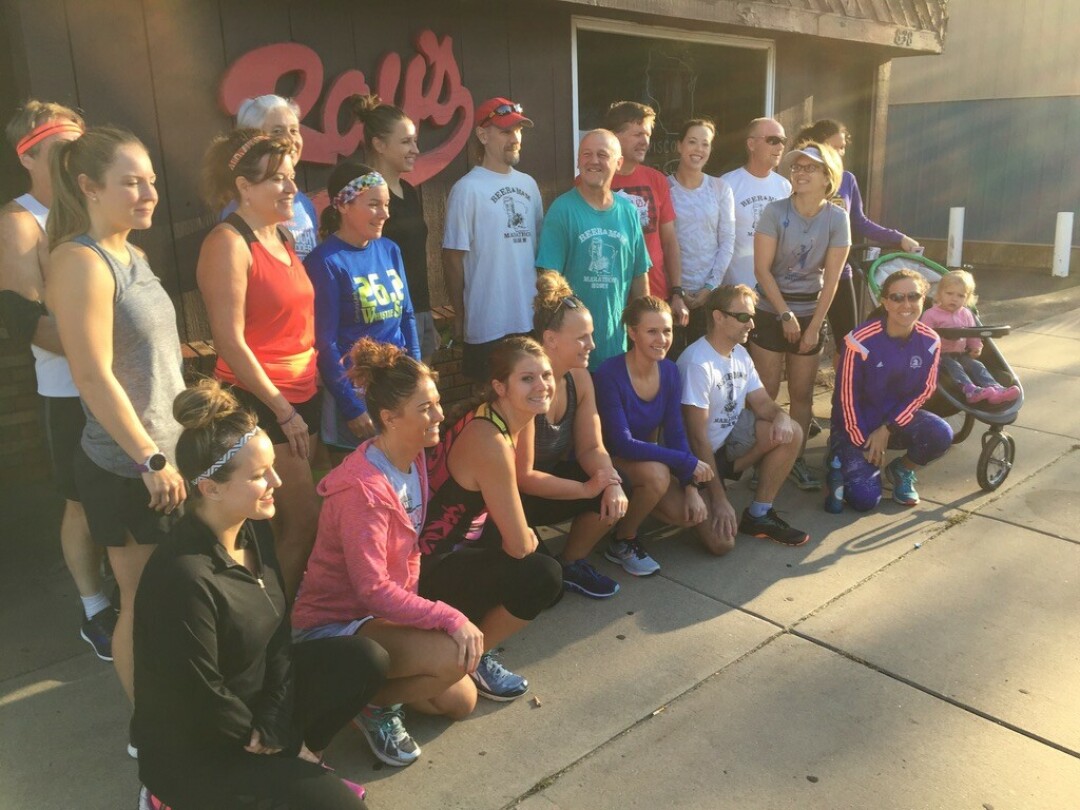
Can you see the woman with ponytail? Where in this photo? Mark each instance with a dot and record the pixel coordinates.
(262, 316)
(118, 328)
(363, 572)
(230, 714)
(391, 147)
(360, 291)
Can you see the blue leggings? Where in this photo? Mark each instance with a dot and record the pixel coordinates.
(926, 437)
(966, 370)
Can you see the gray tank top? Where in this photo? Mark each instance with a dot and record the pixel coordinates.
(146, 361)
(554, 441)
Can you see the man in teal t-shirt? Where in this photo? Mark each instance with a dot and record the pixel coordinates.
(594, 239)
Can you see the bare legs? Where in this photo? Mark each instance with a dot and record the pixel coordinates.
(127, 564)
(297, 515)
(81, 555)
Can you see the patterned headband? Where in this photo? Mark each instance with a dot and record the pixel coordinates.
(225, 458)
(354, 187)
(238, 155)
(40, 133)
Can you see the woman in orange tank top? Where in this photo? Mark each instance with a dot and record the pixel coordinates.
(262, 317)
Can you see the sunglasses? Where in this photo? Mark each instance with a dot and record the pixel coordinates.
(741, 317)
(772, 140)
(501, 110)
(567, 302)
(899, 298)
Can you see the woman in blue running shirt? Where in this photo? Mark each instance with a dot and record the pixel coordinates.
(360, 291)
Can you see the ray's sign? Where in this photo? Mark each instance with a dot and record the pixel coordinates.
(428, 89)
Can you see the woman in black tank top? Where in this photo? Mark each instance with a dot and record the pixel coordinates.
(500, 585)
(564, 471)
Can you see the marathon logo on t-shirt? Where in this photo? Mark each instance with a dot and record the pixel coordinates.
(644, 203)
(517, 211)
(756, 204)
(729, 414)
(603, 255)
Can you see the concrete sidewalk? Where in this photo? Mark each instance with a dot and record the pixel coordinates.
(910, 658)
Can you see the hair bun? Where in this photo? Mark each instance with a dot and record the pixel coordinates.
(362, 105)
(203, 404)
(552, 288)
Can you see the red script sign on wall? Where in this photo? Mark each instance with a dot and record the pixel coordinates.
(430, 91)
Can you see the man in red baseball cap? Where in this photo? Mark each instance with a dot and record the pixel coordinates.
(493, 218)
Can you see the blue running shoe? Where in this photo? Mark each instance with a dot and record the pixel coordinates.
(386, 734)
(496, 682)
(97, 631)
(903, 481)
(580, 577)
(632, 556)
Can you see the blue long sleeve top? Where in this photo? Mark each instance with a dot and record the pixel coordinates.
(630, 424)
(359, 292)
(883, 380)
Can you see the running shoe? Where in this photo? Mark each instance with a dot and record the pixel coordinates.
(97, 631)
(814, 429)
(132, 748)
(632, 556)
(804, 478)
(903, 481)
(772, 527)
(496, 682)
(386, 734)
(974, 394)
(148, 801)
(580, 577)
(1000, 395)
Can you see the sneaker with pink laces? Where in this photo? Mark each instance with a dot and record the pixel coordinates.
(973, 394)
(999, 395)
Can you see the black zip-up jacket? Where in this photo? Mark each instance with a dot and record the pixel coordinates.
(212, 649)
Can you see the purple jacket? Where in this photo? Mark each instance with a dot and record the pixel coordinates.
(861, 226)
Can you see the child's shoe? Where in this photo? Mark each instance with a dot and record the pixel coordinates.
(973, 394)
(999, 395)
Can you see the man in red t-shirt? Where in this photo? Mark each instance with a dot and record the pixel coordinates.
(648, 190)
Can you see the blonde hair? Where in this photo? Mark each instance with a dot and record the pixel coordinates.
(554, 298)
(34, 113)
(959, 278)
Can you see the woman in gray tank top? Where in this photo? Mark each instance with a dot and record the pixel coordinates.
(564, 472)
(118, 328)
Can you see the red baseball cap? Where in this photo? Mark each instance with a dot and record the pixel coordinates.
(502, 113)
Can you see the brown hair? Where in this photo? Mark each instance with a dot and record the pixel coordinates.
(219, 180)
(379, 119)
(34, 113)
(820, 131)
(554, 298)
(722, 297)
(387, 374)
(341, 176)
(506, 355)
(91, 155)
(213, 422)
(708, 123)
(894, 278)
(631, 316)
(621, 113)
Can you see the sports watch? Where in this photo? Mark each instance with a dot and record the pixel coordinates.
(787, 316)
(154, 463)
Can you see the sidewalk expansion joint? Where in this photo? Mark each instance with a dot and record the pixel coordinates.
(959, 704)
(554, 777)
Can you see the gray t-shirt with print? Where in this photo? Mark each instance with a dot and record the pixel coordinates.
(405, 484)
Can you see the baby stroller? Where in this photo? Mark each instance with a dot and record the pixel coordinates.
(998, 447)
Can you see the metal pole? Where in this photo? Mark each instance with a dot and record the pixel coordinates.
(955, 250)
(1063, 243)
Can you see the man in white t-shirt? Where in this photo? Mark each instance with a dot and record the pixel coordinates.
(35, 130)
(732, 423)
(755, 185)
(493, 218)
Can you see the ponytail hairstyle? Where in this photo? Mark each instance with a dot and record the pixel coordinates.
(341, 176)
(387, 374)
(214, 423)
(636, 309)
(893, 278)
(505, 356)
(553, 300)
(91, 156)
(238, 154)
(379, 119)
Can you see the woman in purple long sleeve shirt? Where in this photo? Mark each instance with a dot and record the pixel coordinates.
(638, 397)
(843, 314)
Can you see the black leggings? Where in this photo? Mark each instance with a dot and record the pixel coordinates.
(476, 580)
(334, 680)
(843, 315)
(549, 511)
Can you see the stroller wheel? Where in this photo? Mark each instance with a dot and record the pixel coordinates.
(996, 460)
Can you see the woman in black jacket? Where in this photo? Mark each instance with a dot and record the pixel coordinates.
(228, 713)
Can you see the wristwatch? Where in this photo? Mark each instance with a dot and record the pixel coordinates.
(787, 316)
(154, 463)
(673, 291)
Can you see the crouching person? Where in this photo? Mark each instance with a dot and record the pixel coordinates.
(733, 424)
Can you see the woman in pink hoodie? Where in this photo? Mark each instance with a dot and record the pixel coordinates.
(362, 574)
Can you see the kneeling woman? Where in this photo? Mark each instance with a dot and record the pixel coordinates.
(229, 713)
(500, 585)
(639, 396)
(888, 369)
(362, 575)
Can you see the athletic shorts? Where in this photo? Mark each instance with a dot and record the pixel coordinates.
(63, 419)
(768, 333)
(310, 412)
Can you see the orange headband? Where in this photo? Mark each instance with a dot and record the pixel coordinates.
(238, 155)
(43, 131)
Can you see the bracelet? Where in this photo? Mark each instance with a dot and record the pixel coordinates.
(289, 418)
